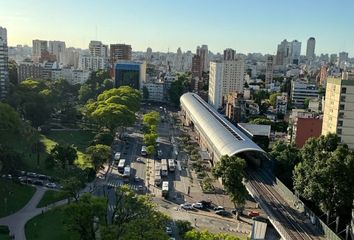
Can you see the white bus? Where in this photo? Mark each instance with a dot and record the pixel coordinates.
(126, 174)
(165, 189)
(121, 166)
(171, 165)
(164, 168)
(157, 170)
(143, 151)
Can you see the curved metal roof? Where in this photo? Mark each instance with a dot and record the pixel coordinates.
(223, 135)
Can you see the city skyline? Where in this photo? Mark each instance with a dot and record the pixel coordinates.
(144, 24)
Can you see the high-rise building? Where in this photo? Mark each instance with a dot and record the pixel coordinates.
(97, 49)
(310, 49)
(342, 59)
(57, 48)
(339, 108)
(87, 62)
(40, 50)
(204, 57)
(148, 56)
(196, 66)
(288, 53)
(269, 70)
(229, 54)
(215, 84)
(224, 78)
(130, 74)
(120, 52)
(4, 73)
(70, 57)
(333, 58)
(28, 69)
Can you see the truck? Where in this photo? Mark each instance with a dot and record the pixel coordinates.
(121, 165)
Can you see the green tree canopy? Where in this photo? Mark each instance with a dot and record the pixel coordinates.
(232, 171)
(151, 118)
(325, 174)
(98, 155)
(9, 119)
(273, 98)
(178, 87)
(205, 235)
(64, 154)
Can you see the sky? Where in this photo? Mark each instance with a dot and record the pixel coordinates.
(165, 25)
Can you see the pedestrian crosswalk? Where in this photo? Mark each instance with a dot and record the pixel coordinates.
(119, 182)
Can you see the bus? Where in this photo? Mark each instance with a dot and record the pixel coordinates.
(171, 165)
(165, 189)
(164, 168)
(126, 174)
(121, 166)
(157, 169)
(143, 151)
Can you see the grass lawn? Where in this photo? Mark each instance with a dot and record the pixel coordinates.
(50, 225)
(13, 196)
(51, 196)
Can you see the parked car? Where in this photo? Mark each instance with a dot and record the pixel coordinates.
(29, 180)
(252, 214)
(137, 179)
(42, 177)
(32, 174)
(223, 213)
(186, 206)
(169, 230)
(198, 205)
(139, 159)
(218, 208)
(38, 182)
(51, 185)
(206, 204)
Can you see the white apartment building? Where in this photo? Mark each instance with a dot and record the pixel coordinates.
(70, 57)
(97, 49)
(156, 91)
(4, 74)
(71, 75)
(91, 63)
(39, 47)
(281, 104)
(215, 84)
(310, 49)
(300, 91)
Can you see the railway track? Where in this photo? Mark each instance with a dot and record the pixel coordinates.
(289, 219)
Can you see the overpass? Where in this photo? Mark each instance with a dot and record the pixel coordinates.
(219, 137)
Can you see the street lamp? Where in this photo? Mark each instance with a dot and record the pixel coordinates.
(38, 142)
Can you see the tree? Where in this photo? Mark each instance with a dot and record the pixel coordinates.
(307, 102)
(260, 95)
(151, 149)
(273, 98)
(105, 138)
(151, 118)
(205, 235)
(98, 155)
(10, 160)
(183, 227)
(135, 217)
(286, 157)
(64, 154)
(145, 93)
(178, 87)
(150, 138)
(9, 119)
(325, 174)
(85, 93)
(232, 171)
(72, 186)
(85, 215)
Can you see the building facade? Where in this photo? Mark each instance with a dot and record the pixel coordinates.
(87, 62)
(130, 74)
(71, 75)
(338, 114)
(301, 91)
(156, 91)
(310, 49)
(196, 66)
(40, 50)
(98, 49)
(235, 107)
(57, 48)
(229, 54)
(281, 104)
(269, 70)
(120, 52)
(204, 57)
(4, 73)
(215, 84)
(27, 70)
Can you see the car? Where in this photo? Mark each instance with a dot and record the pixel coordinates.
(38, 182)
(206, 204)
(172, 238)
(198, 205)
(219, 208)
(42, 177)
(223, 213)
(140, 188)
(32, 174)
(186, 206)
(139, 159)
(253, 214)
(137, 179)
(51, 185)
(22, 179)
(29, 180)
(169, 230)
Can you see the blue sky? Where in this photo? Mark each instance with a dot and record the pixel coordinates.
(246, 26)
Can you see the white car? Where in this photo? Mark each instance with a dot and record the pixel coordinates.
(198, 205)
(51, 185)
(139, 159)
(186, 206)
(169, 230)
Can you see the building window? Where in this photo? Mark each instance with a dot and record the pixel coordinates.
(342, 98)
(339, 131)
(341, 107)
(340, 123)
(341, 115)
(344, 90)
